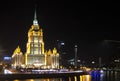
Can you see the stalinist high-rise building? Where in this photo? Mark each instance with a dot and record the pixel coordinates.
(36, 55)
(35, 45)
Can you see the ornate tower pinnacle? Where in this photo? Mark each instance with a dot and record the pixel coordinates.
(35, 22)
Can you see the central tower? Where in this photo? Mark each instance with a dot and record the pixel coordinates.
(35, 46)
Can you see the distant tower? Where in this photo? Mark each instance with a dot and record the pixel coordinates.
(100, 62)
(61, 49)
(75, 55)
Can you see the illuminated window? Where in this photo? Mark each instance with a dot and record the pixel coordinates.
(35, 50)
(35, 45)
(35, 39)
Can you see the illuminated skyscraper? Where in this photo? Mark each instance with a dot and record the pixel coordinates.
(35, 55)
(35, 45)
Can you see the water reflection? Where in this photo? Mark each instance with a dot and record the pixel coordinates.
(112, 76)
(85, 78)
(94, 76)
(105, 76)
(52, 79)
(75, 78)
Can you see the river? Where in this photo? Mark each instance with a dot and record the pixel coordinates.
(94, 76)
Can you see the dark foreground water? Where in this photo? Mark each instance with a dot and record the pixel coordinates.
(94, 76)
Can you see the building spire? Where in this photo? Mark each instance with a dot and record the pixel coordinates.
(35, 22)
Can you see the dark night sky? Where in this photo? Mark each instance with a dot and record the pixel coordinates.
(87, 24)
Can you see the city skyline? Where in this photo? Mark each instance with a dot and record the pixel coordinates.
(86, 24)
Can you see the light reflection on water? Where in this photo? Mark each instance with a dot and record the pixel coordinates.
(81, 78)
(85, 78)
(95, 76)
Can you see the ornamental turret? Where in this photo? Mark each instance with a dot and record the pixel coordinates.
(17, 58)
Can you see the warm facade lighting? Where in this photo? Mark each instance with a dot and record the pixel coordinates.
(35, 55)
